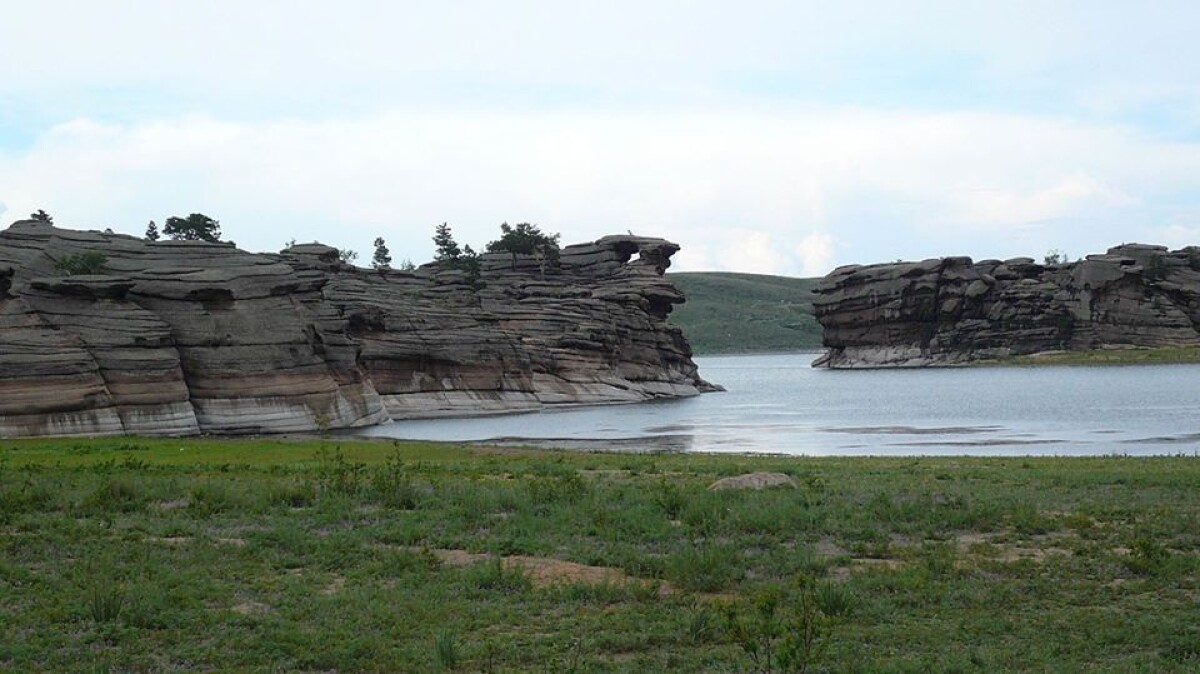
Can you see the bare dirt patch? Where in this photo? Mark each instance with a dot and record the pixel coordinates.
(335, 585)
(990, 546)
(170, 540)
(547, 571)
(251, 608)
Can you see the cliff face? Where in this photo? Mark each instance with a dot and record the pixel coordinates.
(185, 337)
(952, 310)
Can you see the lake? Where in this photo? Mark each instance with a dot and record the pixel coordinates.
(778, 404)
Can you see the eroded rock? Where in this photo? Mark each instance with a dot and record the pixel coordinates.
(184, 337)
(953, 310)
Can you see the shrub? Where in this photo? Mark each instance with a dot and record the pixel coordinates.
(81, 264)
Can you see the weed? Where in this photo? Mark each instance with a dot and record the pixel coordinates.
(105, 601)
(294, 494)
(114, 495)
(705, 568)
(1147, 556)
(670, 497)
(705, 515)
(134, 463)
(784, 631)
(392, 486)
(403, 562)
(938, 559)
(210, 498)
(701, 623)
(835, 601)
(337, 475)
(491, 575)
(1079, 521)
(445, 648)
(564, 488)
(1026, 519)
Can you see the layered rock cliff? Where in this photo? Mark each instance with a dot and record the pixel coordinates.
(185, 337)
(951, 310)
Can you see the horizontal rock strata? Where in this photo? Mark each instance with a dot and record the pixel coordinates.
(186, 337)
(951, 310)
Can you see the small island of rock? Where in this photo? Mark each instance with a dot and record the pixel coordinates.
(952, 311)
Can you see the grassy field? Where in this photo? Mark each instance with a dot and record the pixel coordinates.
(1134, 355)
(260, 555)
(744, 313)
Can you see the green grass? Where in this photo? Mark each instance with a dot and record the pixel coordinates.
(744, 313)
(262, 555)
(1134, 355)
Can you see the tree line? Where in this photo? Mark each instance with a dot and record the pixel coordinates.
(521, 239)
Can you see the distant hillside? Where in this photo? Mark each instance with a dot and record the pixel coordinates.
(742, 313)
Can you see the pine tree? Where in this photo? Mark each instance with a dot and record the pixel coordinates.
(447, 247)
(382, 258)
(41, 216)
(152, 231)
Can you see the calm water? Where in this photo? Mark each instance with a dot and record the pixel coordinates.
(778, 404)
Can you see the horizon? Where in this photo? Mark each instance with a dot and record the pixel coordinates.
(781, 138)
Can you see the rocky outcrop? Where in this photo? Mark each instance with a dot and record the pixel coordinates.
(951, 310)
(184, 337)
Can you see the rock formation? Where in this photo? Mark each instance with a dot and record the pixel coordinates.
(186, 337)
(952, 310)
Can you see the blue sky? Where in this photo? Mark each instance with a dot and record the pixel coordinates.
(773, 137)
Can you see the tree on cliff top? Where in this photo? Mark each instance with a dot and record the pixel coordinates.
(41, 216)
(449, 253)
(152, 231)
(526, 239)
(195, 227)
(383, 257)
(447, 247)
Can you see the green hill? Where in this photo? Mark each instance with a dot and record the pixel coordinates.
(743, 313)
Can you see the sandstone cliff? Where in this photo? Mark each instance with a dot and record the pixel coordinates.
(952, 310)
(181, 337)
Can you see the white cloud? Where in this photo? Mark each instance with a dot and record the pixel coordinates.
(1180, 235)
(744, 190)
(816, 253)
(1028, 207)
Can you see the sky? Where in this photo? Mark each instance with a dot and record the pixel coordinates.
(763, 137)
